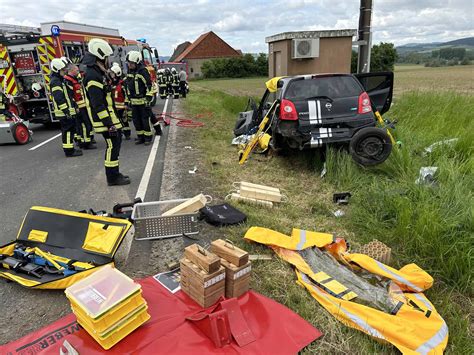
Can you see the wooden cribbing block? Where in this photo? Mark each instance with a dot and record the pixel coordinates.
(206, 260)
(236, 197)
(237, 278)
(190, 206)
(229, 252)
(204, 288)
(243, 184)
(260, 194)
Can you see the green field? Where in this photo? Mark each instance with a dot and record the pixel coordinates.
(407, 78)
(431, 226)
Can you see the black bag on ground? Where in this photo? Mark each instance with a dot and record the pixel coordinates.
(222, 215)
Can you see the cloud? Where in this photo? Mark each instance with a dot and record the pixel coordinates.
(72, 16)
(244, 24)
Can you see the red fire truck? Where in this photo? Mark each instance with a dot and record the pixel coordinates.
(25, 60)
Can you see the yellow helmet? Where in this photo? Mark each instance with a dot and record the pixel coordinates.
(99, 48)
(134, 57)
(57, 64)
(36, 87)
(116, 69)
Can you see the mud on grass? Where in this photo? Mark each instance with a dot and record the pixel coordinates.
(309, 207)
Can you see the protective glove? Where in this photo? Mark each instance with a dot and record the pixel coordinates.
(112, 131)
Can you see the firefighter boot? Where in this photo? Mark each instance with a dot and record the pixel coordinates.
(157, 128)
(75, 153)
(119, 180)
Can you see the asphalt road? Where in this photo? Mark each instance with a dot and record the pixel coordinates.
(45, 177)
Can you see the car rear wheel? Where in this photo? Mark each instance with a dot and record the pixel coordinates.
(370, 146)
(21, 134)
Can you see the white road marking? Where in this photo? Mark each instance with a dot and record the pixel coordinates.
(46, 141)
(142, 188)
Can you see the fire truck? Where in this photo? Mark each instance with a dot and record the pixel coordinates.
(25, 59)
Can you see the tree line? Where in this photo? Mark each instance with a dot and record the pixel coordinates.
(236, 67)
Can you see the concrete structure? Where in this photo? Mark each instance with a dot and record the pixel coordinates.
(329, 51)
(207, 46)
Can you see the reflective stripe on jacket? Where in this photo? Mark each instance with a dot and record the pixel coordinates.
(139, 85)
(99, 97)
(413, 327)
(62, 97)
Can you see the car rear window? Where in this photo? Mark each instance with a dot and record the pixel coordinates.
(334, 87)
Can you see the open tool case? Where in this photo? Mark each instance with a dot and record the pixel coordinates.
(77, 243)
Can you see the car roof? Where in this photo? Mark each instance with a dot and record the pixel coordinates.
(272, 84)
(312, 76)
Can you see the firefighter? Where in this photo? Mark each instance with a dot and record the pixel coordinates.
(83, 124)
(162, 83)
(168, 82)
(182, 82)
(120, 99)
(64, 106)
(100, 103)
(175, 83)
(4, 103)
(139, 87)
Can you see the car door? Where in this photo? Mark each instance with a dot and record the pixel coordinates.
(379, 86)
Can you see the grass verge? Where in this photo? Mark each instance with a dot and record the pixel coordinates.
(431, 226)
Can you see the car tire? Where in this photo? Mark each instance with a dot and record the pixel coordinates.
(21, 134)
(370, 146)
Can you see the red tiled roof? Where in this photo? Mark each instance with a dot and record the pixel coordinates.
(208, 45)
(180, 49)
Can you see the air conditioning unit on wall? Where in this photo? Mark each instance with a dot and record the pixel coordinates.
(305, 48)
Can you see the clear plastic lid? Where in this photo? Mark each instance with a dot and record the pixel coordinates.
(101, 291)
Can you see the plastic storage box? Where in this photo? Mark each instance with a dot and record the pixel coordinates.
(108, 305)
(118, 331)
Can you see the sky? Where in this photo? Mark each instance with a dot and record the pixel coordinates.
(244, 24)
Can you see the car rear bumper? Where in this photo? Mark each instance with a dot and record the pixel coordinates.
(305, 138)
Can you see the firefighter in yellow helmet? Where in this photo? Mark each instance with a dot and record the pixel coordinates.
(100, 102)
(64, 106)
(139, 87)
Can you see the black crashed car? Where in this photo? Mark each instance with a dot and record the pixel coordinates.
(320, 109)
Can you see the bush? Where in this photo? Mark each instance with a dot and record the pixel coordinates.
(382, 58)
(236, 67)
(465, 61)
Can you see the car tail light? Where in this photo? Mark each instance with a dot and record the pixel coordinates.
(364, 103)
(288, 111)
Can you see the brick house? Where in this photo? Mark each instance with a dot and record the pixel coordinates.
(207, 46)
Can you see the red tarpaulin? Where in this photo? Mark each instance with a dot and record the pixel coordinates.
(277, 329)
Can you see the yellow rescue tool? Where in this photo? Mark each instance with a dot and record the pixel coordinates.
(260, 134)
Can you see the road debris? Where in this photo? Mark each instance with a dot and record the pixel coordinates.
(193, 171)
(339, 213)
(448, 142)
(341, 198)
(427, 175)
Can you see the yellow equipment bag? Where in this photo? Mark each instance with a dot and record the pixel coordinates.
(414, 327)
(80, 241)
